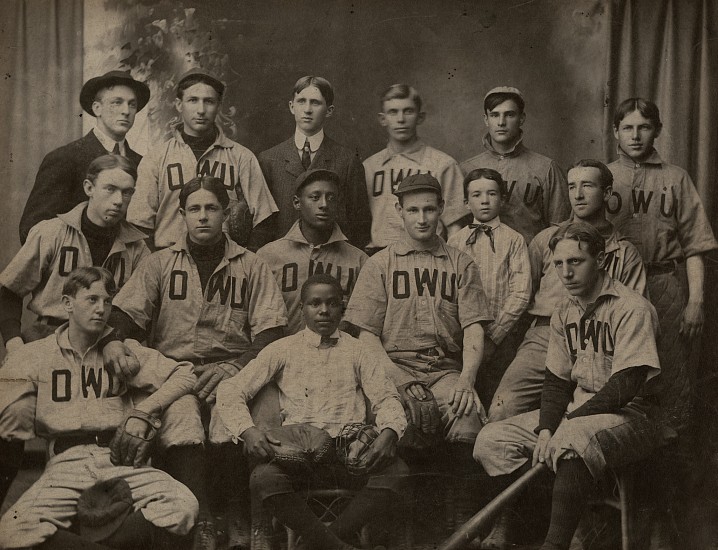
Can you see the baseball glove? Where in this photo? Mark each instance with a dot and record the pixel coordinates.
(352, 443)
(301, 446)
(127, 449)
(423, 414)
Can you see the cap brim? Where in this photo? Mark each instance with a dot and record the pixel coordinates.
(94, 85)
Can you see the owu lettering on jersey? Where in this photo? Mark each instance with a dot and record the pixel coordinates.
(424, 280)
(226, 287)
(290, 275)
(589, 332)
(395, 176)
(91, 379)
(115, 264)
(220, 170)
(641, 201)
(532, 193)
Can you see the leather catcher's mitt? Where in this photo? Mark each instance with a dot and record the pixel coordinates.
(352, 444)
(423, 414)
(301, 446)
(130, 450)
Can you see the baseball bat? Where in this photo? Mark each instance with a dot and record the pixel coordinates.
(470, 529)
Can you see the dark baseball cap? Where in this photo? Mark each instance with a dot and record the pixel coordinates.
(317, 174)
(418, 182)
(216, 83)
(113, 78)
(102, 508)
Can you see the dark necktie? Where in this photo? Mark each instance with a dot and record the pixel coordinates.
(116, 150)
(328, 342)
(484, 229)
(306, 155)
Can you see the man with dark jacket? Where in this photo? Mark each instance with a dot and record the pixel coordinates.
(113, 99)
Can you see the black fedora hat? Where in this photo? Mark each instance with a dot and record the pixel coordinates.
(113, 78)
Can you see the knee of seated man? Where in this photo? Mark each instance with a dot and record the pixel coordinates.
(182, 423)
(17, 421)
(487, 442)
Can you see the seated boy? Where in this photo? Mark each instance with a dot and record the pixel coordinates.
(503, 261)
(96, 431)
(314, 244)
(602, 349)
(324, 376)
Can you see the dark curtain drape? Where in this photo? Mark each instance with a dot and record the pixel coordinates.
(667, 51)
(40, 49)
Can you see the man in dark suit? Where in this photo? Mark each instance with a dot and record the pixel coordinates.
(113, 99)
(312, 103)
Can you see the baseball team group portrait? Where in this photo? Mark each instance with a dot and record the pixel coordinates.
(335, 275)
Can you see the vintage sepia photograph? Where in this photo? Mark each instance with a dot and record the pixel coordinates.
(359, 274)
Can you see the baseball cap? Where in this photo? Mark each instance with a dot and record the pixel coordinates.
(504, 90)
(418, 182)
(113, 78)
(198, 71)
(317, 174)
(102, 508)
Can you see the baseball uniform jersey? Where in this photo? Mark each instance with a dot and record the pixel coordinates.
(505, 273)
(418, 299)
(54, 248)
(293, 260)
(165, 170)
(656, 206)
(385, 169)
(77, 395)
(241, 300)
(538, 194)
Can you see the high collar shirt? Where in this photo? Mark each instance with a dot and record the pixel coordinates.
(76, 393)
(505, 273)
(538, 193)
(315, 142)
(588, 345)
(108, 143)
(656, 206)
(166, 168)
(240, 301)
(418, 299)
(54, 248)
(293, 260)
(622, 263)
(385, 169)
(322, 386)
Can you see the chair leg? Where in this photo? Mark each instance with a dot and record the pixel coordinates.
(626, 496)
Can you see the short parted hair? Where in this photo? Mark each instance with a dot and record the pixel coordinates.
(210, 183)
(489, 174)
(498, 98)
(401, 91)
(198, 79)
(84, 277)
(581, 232)
(109, 162)
(648, 110)
(606, 175)
(322, 84)
(321, 279)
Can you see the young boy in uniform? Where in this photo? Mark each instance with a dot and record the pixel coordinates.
(314, 244)
(602, 349)
(198, 146)
(312, 104)
(503, 261)
(324, 376)
(209, 301)
(93, 233)
(95, 429)
(421, 301)
(113, 99)
(589, 188)
(656, 206)
(405, 155)
(536, 185)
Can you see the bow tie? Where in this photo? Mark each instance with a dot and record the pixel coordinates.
(328, 341)
(487, 230)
